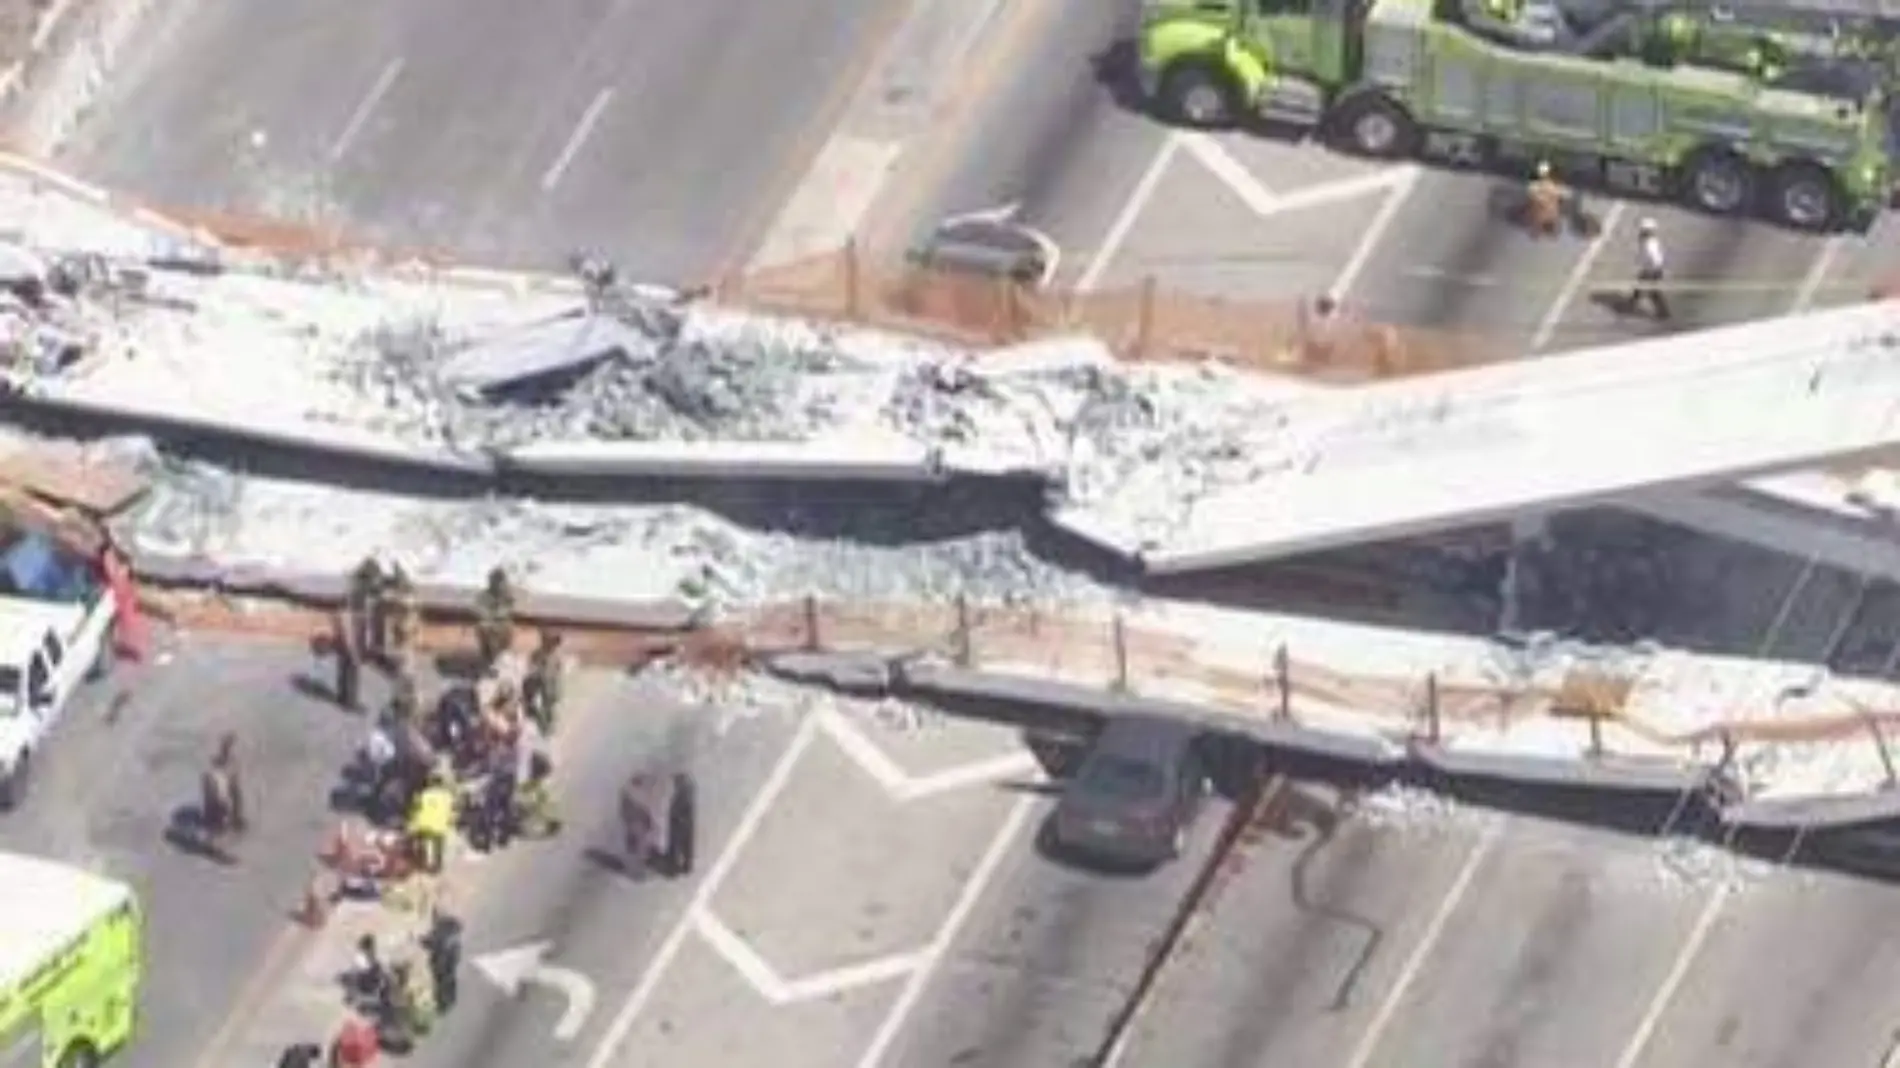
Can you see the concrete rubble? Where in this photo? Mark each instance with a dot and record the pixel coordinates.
(157, 319)
(751, 555)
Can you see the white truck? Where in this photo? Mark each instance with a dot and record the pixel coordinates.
(56, 617)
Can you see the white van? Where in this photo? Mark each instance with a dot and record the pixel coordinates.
(55, 632)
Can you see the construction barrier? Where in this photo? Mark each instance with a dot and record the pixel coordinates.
(1143, 322)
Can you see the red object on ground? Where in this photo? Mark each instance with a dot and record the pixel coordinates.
(129, 636)
(355, 1045)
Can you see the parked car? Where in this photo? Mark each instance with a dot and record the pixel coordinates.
(1134, 794)
(55, 632)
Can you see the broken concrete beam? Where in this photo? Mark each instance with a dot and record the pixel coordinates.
(895, 461)
(961, 684)
(528, 354)
(1816, 813)
(868, 674)
(1622, 775)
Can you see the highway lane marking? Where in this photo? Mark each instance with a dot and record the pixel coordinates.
(778, 990)
(960, 912)
(1574, 281)
(749, 823)
(830, 121)
(576, 140)
(1201, 917)
(1231, 173)
(1130, 213)
(1810, 289)
(992, 52)
(1395, 199)
(1678, 971)
(1265, 202)
(283, 952)
(900, 784)
(365, 107)
(1434, 930)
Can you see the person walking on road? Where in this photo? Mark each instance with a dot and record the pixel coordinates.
(402, 618)
(682, 818)
(541, 690)
(644, 804)
(494, 618)
(443, 945)
(348, 690)
(366, 607)
(1650, 263)
(221, 799)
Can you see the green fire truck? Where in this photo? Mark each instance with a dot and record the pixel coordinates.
(1783, 112)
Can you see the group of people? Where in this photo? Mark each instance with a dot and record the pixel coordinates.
(1546, 202)
(471, 761)
(393, 1003)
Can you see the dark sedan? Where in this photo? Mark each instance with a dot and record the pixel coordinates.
(1134, 794)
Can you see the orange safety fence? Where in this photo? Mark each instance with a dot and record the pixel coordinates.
(1142, 322)
(1099, 649)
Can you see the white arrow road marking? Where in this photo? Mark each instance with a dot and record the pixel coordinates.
(762, 977)
(513, 969)
(901, 785)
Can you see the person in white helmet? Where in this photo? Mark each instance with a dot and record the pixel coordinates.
(1650, 262)
(1544, 202)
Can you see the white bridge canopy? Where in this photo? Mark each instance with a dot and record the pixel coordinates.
(1444, 451)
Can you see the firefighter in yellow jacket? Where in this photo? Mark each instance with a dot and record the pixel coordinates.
(432, 820)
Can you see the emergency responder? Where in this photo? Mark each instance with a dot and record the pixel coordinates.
(494, 824)
(1319, 330)
(495, 618)
(365, 605)
(535, 814)
(432, 820)
(682, 819)
(541, 692)
(501, 721)
(1544, 202)
(401, 616)
(1650, 262)
(643, 804)
(405, 697)
(442, 946)
(349, 666)
(356, 1044)
(415, 1000)
(221, 798)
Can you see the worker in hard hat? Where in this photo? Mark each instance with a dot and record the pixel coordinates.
(1650, 264)
(1544, 202)
(432, 819)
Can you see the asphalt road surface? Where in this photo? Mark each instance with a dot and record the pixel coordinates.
(664, 135)
(1050, 956)
(835, 853)
(1390, 933)
(127, 755)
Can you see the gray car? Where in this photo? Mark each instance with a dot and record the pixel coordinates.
(1134, 794)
